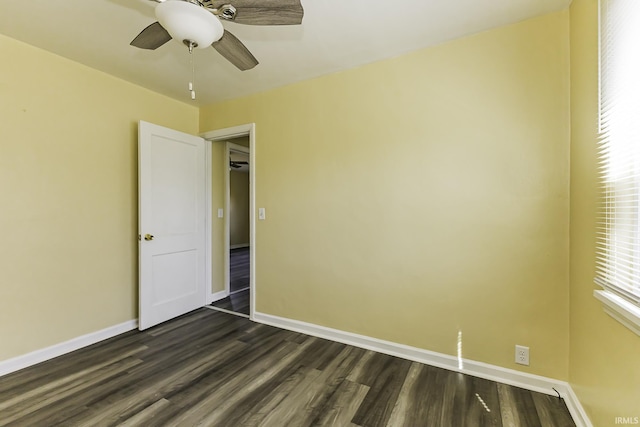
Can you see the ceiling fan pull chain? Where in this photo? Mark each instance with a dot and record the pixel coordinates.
(193, 71)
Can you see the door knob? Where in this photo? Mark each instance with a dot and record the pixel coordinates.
(148, 237)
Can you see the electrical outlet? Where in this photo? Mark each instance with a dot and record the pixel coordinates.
(522, 355)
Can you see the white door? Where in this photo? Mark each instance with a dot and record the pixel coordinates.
(171, 203)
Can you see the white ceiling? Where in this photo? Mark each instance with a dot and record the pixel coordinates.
(335, 35)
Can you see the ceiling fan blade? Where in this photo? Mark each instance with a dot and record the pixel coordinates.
(268, 16)
(265, 12)
(235, 52)
(151, 37)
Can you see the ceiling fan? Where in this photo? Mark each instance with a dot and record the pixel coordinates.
(197, 24)
(236, 164)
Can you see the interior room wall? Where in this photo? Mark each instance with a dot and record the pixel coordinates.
(433, 199)
(604, 363)
(68, 179)
(239, 198)
(241, 140)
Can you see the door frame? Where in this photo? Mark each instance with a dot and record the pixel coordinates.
(210, 138)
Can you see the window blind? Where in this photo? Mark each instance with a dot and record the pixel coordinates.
(618, 233)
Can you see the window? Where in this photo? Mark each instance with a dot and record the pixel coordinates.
(618, 246)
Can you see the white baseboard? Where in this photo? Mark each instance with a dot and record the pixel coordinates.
(240, 245)
(42, 355)
(578, 413)
(216, 296)
(478, 369)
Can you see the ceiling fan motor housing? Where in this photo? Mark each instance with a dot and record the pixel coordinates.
(189, 23)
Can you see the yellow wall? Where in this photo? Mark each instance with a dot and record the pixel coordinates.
(241, 140)
(432, 197)
(604, 362)
(239, 209)
(68, 180)
(424, 195)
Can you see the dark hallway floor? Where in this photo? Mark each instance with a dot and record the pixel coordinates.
(239, 269)
(239, 280)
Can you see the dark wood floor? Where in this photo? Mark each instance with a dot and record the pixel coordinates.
(239, 269)
(239, 274)
(237, 302)
(214, 369)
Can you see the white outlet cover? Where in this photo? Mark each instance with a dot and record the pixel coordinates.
(522, 355)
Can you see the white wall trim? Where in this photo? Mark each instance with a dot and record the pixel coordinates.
(620, 309)
(578, 413)
(215, 296)
(42, 355)
(229, 133)
(479, 369)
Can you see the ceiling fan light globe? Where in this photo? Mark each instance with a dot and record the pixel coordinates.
(187, 21)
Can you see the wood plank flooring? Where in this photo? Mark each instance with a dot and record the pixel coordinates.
(239, 270)
(237, 302)
(214, 369)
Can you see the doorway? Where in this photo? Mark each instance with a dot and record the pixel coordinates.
(237, 246)
(237, 213)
